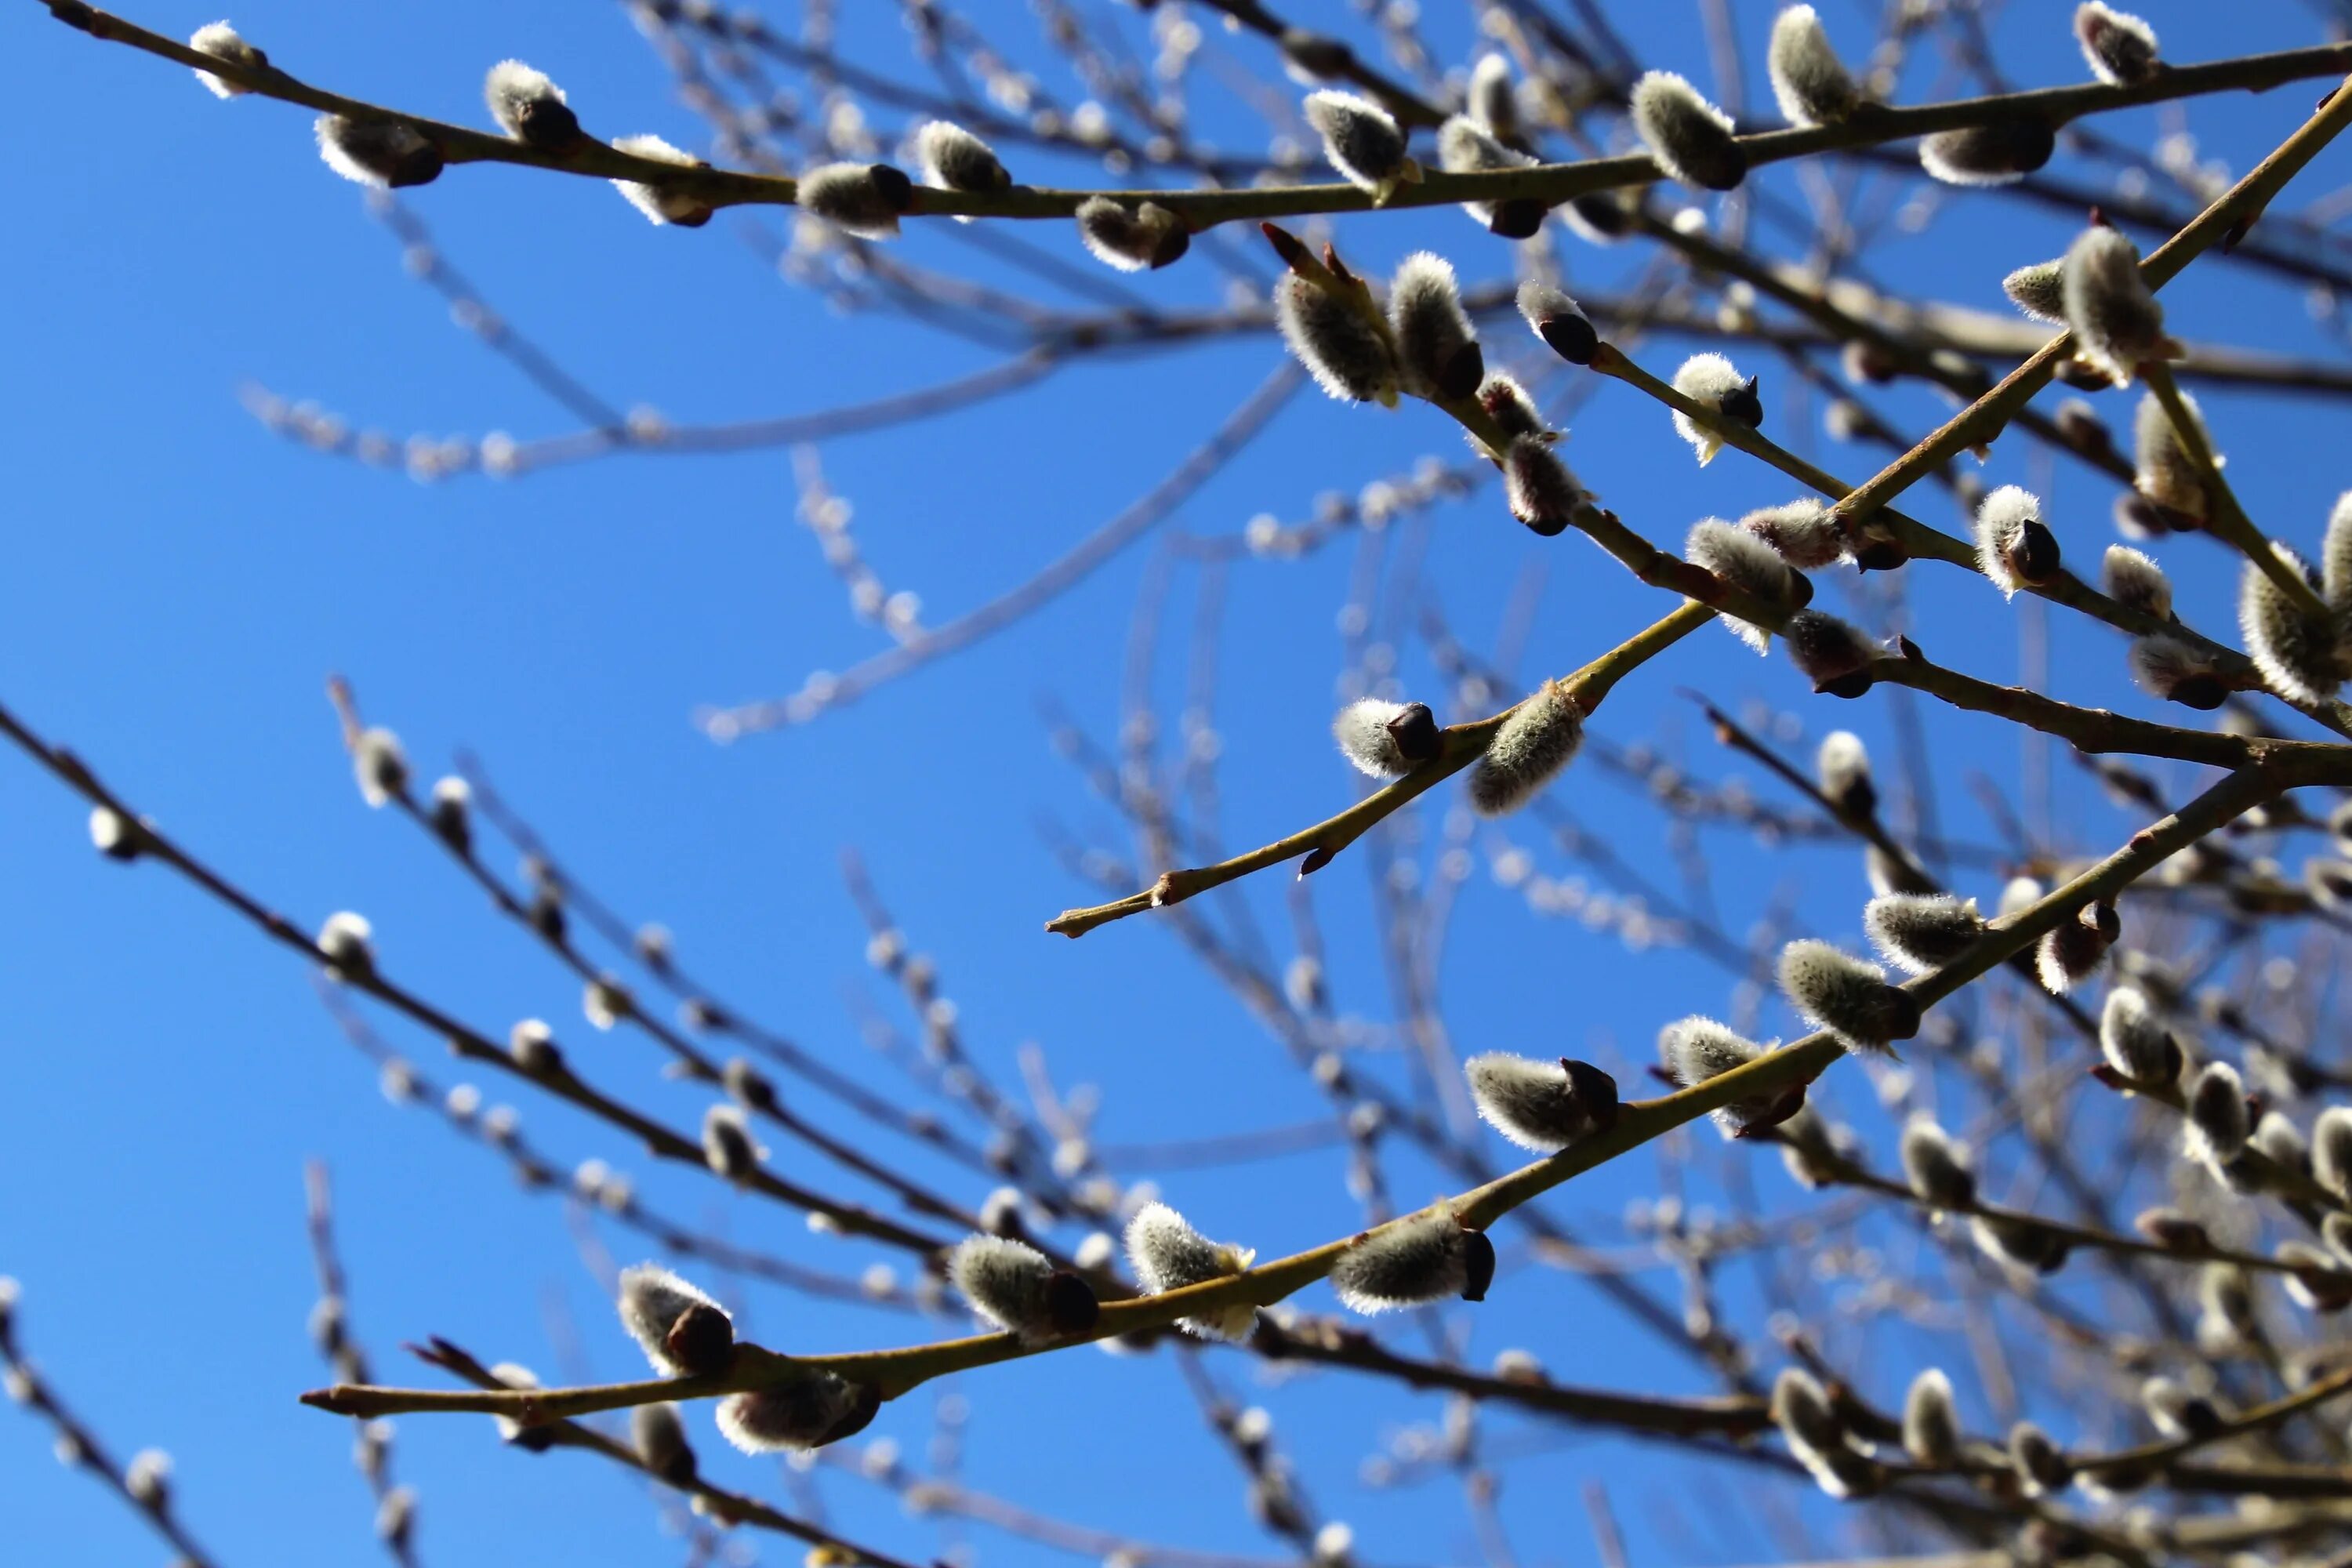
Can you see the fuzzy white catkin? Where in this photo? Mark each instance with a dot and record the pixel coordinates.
(1695, 1049)
(1919, 932)
(148, 1478)
(1403, 1264)
(528, 107)
(1541, 737)
(1931, 1425)
(1815, 1434)
(113, 835)
(222, 42)
(1748, 563)
(1361, 139)
(1538, 488)
(2134, 1040)
(380, 765)
(1463, 147)
(1349, 357)
(658, 1436)
(1532, 1103)
(2336, 555)
(1993, 154)
(1713, 381)
(659, 203)
(1691, 138)
(2132, 578)
(2170, 668)
(2163, 471)
(1006, 1282)
(953, 159)
(1434, 338)
(728, 1146)
(1825, 648)
(1804, 532)
(652, 1300)
(1131, 240)
(2299, 655)
(378, 152)
(349, 943)
(1842, 770)
(2331, 1151)
(861, 199)
(1167, 1254)
(1936, 1167)
(806, 1412)
(2118, 47)
(2036, 1459)
(2116, 320)
(1367, 732)
(2039, 291)
(2008, 552)
(1492, 99)
(1847, 996)
(2213, 1132)
(1808, 81)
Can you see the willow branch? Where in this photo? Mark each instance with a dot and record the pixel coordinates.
(2226, 519)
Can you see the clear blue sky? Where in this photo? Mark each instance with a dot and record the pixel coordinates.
(180, 584)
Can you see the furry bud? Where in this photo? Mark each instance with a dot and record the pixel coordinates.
(1691, 138)
(2072, 949)
(1351, 358)
(2297, 653)
(1815, 1433)
(1017, 1287)
(1842, 770)
(113, 835)
(379, 152)
(728, 1146)
(1918, 933)
(1931, 1425)
(2029, 1247)
(659, 1438)
(1463, 147)
(1934, 1166)
(1808, 80)
(1600, 217)
(222, 42)
(1993, 154)
(1538, 1105)
(809, 1412)
(658, 203)
(2135, 581)
(1506, 403)
(2014, 547)
(2116, 322)
(2335, 554)
(1168, 1255)
(2170, 668)
(2039, 291)
(2118, 47)
(1423, 1257)
(1558, 320)
(2279, 1141)
(1433, 336)
(1804, 532)
(2170, 1229)
(1387, 739)
(2214, 1130)
(2134, 1040)
(2040, 1467)
(347, 940)
(1538, 738)
(1849, 997)
(1695, 1049)
(1832, 654)
(863, 199)
(1749, 564)
(530, 108)
(2164, 471)
(2176, 1412)
(452, 821)
(953, 159)
(1713, 383)
(1149, 236)
(2331, 1151)
(683, 1331)
(533, 1045)
(1360, 140)
(1492, 100)
(1538, 488)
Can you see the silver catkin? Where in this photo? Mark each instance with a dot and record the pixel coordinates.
(1558, 320)
(1360, 140)
(1715, 384)
(1424, 1258)
(1829, 651)
(1538, 487)
(1540, 737)
(528, 107)
(658, 1437)
(1434, 338)
(2331, 1151)
(1167, 1254)
(1748, 563)
(2117, 324)
(1465, 147)
(1919, 932)
(1691, 138)
(1804, 532)
(1993, 154)
(1349, 357)
(862, 199)
(1695, 1049)
(1808, 81)
(2014, 547)
(1849, 997)
(1936, 1167)
(1016, 1287)
(1842, 772)
(661, 204)
(1131, 239)
(224, 42)
(1492, 99)
(2216, 1124)
(379, 152)
(2037, 1460)
(2132, 578)
(2336, 556)
(2163, 471)
(2170, 668)
(953, 159)
(1543, 1106)
(2118, 47)
(808, 1412)
(1387, 739)
(653, 1303)
(2296, 652)
(2134, 1040)
(2039, 290)
(1931, 1423)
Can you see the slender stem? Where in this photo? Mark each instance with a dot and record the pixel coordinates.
(2226, 519)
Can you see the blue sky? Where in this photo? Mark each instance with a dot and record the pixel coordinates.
(181, 584)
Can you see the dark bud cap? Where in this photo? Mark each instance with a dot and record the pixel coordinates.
(1463, 373)
(547, 124)
(1743, 405)
(1478, 1262)
(1521, 217)
(1417, 736)
(1594, 1090)
(1558, 320)
(1070, 1303)
(2033, 554)
(891, 184)
(702, 1341)
(1604, 213)
(1877, 554)
(865, 1404)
